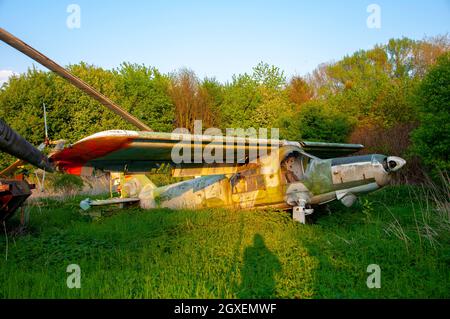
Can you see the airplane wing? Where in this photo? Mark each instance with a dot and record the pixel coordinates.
(134, 151)
(330, 150)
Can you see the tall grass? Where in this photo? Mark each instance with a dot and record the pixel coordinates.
(133, 253)
(66, 187)
(433, 208)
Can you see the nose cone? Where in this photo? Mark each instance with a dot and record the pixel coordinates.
(394, 163)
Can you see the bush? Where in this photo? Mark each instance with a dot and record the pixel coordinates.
(66, 183)
(431, 140)
(320, 123)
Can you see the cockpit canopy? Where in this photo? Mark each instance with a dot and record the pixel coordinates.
(293, 167)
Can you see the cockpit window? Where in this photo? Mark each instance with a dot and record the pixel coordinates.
(293, 167)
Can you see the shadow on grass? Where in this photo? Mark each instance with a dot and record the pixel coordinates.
(258, 271)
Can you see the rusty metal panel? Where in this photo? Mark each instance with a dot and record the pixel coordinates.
(4, 188)
(14, 194)
(351, 172)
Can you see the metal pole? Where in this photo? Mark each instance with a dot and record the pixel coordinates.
(45, 125)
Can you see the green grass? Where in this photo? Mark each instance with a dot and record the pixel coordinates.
(132, 253)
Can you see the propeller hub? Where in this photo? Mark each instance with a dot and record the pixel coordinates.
(394, 163)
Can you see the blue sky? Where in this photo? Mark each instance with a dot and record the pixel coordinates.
(214, 38)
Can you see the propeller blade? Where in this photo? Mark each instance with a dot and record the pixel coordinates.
(18, 44)
(12, 143)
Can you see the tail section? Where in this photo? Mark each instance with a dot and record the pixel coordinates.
(132, 185)
(138, 186)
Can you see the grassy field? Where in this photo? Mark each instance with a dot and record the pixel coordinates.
(131, 253)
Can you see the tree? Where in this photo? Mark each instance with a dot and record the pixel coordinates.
(269, 76)
(191, 99)
(299, 91)
(431, 140)
(257, 100)
(214, 94)
(428, 51)
(143, 91)
(241, 98)
(319, 122)
(400, 54)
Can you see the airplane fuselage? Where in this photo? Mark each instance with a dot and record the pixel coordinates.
(285, 179)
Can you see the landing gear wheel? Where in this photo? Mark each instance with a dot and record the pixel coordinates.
(299, 213)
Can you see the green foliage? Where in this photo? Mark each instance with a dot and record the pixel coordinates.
(269, 76)
(432, 137)
(367, 209)
(400, 54)
(241, 97)
(143, 92)
(21, 103)
(255, 100)
(368, 87)
(318, 122)
(215, 94)
(319, 125)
